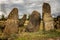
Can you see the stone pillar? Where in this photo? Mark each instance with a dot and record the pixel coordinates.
(11, 24)
(47, 17)
(23, 19)
(34, 22)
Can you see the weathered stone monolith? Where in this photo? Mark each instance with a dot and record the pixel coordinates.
(11, 23)
(23, 19)
(55, 23)
(34, 22)
(59, 21)
(47, 17)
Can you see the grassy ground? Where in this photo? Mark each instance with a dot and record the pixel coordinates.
(38, 35)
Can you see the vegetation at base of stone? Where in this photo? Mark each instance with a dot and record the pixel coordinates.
(38, 35)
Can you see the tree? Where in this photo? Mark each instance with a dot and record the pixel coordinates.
(2, 17)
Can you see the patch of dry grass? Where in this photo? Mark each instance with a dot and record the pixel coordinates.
(38, 35)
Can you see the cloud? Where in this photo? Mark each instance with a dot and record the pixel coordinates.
(1, 12)
(11, 1)
(27, 6)
(16, 1)
(55, 9)
(4, 1)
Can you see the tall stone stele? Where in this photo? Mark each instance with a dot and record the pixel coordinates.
(34, 22)
(11, 23)
(47, 17)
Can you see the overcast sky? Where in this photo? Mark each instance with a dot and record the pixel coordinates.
(27, 6)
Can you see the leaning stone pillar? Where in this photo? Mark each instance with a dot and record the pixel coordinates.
(11, 24)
